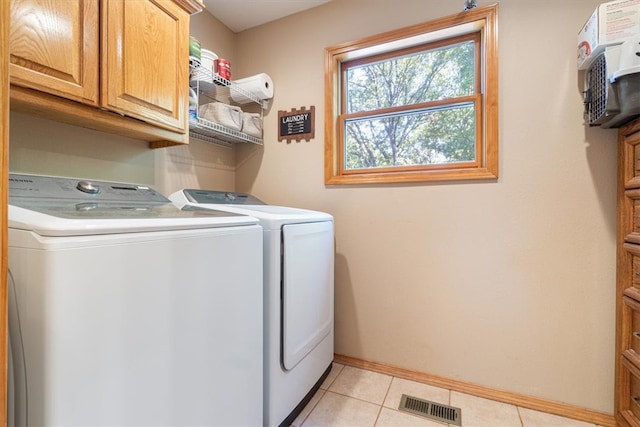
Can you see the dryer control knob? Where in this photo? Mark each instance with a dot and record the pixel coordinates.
(88, 187)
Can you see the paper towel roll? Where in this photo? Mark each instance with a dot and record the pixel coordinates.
(259, 85)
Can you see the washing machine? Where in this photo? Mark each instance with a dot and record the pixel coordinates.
(125, 310)
(298, 291)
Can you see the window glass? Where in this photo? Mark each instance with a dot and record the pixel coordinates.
(441, 73)
(427, 137)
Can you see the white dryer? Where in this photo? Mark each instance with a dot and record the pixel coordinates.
(127, 311)
(298, 291)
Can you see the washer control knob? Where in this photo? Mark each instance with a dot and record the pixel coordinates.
(230, 196)
(88, 187)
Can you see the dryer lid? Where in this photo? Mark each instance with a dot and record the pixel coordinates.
(221, 197)
(271, 217)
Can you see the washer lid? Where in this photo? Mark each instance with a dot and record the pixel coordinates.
(43, 188)
(53, 206)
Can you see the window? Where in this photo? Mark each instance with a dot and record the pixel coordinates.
(417, 104)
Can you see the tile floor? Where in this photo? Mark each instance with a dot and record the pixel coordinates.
(357, 397)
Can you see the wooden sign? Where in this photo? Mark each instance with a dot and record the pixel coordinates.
(296, 124)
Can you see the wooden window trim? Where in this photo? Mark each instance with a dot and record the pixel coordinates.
(485, 20)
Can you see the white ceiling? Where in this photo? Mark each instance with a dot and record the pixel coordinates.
(240, 15)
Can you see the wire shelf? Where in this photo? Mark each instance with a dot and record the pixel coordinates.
(206, 81)
(218, 133)
(209, 84)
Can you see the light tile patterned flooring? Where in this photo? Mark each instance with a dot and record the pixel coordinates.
(357, 397)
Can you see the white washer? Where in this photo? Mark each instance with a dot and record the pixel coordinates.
(298, 289)
(127, 311)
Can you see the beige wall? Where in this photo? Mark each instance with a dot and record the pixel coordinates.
(507, 284)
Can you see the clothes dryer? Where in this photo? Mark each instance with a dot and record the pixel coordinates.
(127, 311)
(298, 291)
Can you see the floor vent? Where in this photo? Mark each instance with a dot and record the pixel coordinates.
(432, 410)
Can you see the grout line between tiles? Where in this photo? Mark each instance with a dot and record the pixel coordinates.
(377, 415)
(335, 376)
(314, 406)
(520, 416)
(386, 394)
(352, 397)
(384, 399)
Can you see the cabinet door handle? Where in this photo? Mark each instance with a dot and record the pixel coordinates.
(636, 400)
(636, 335)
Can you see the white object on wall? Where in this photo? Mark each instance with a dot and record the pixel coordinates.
(261, 85)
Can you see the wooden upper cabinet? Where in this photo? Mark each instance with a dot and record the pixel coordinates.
(144, 54)
(54, 47)
(119, 66)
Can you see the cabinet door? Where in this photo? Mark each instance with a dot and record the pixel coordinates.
(54, 47)
(4, 169)
(145, 61)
